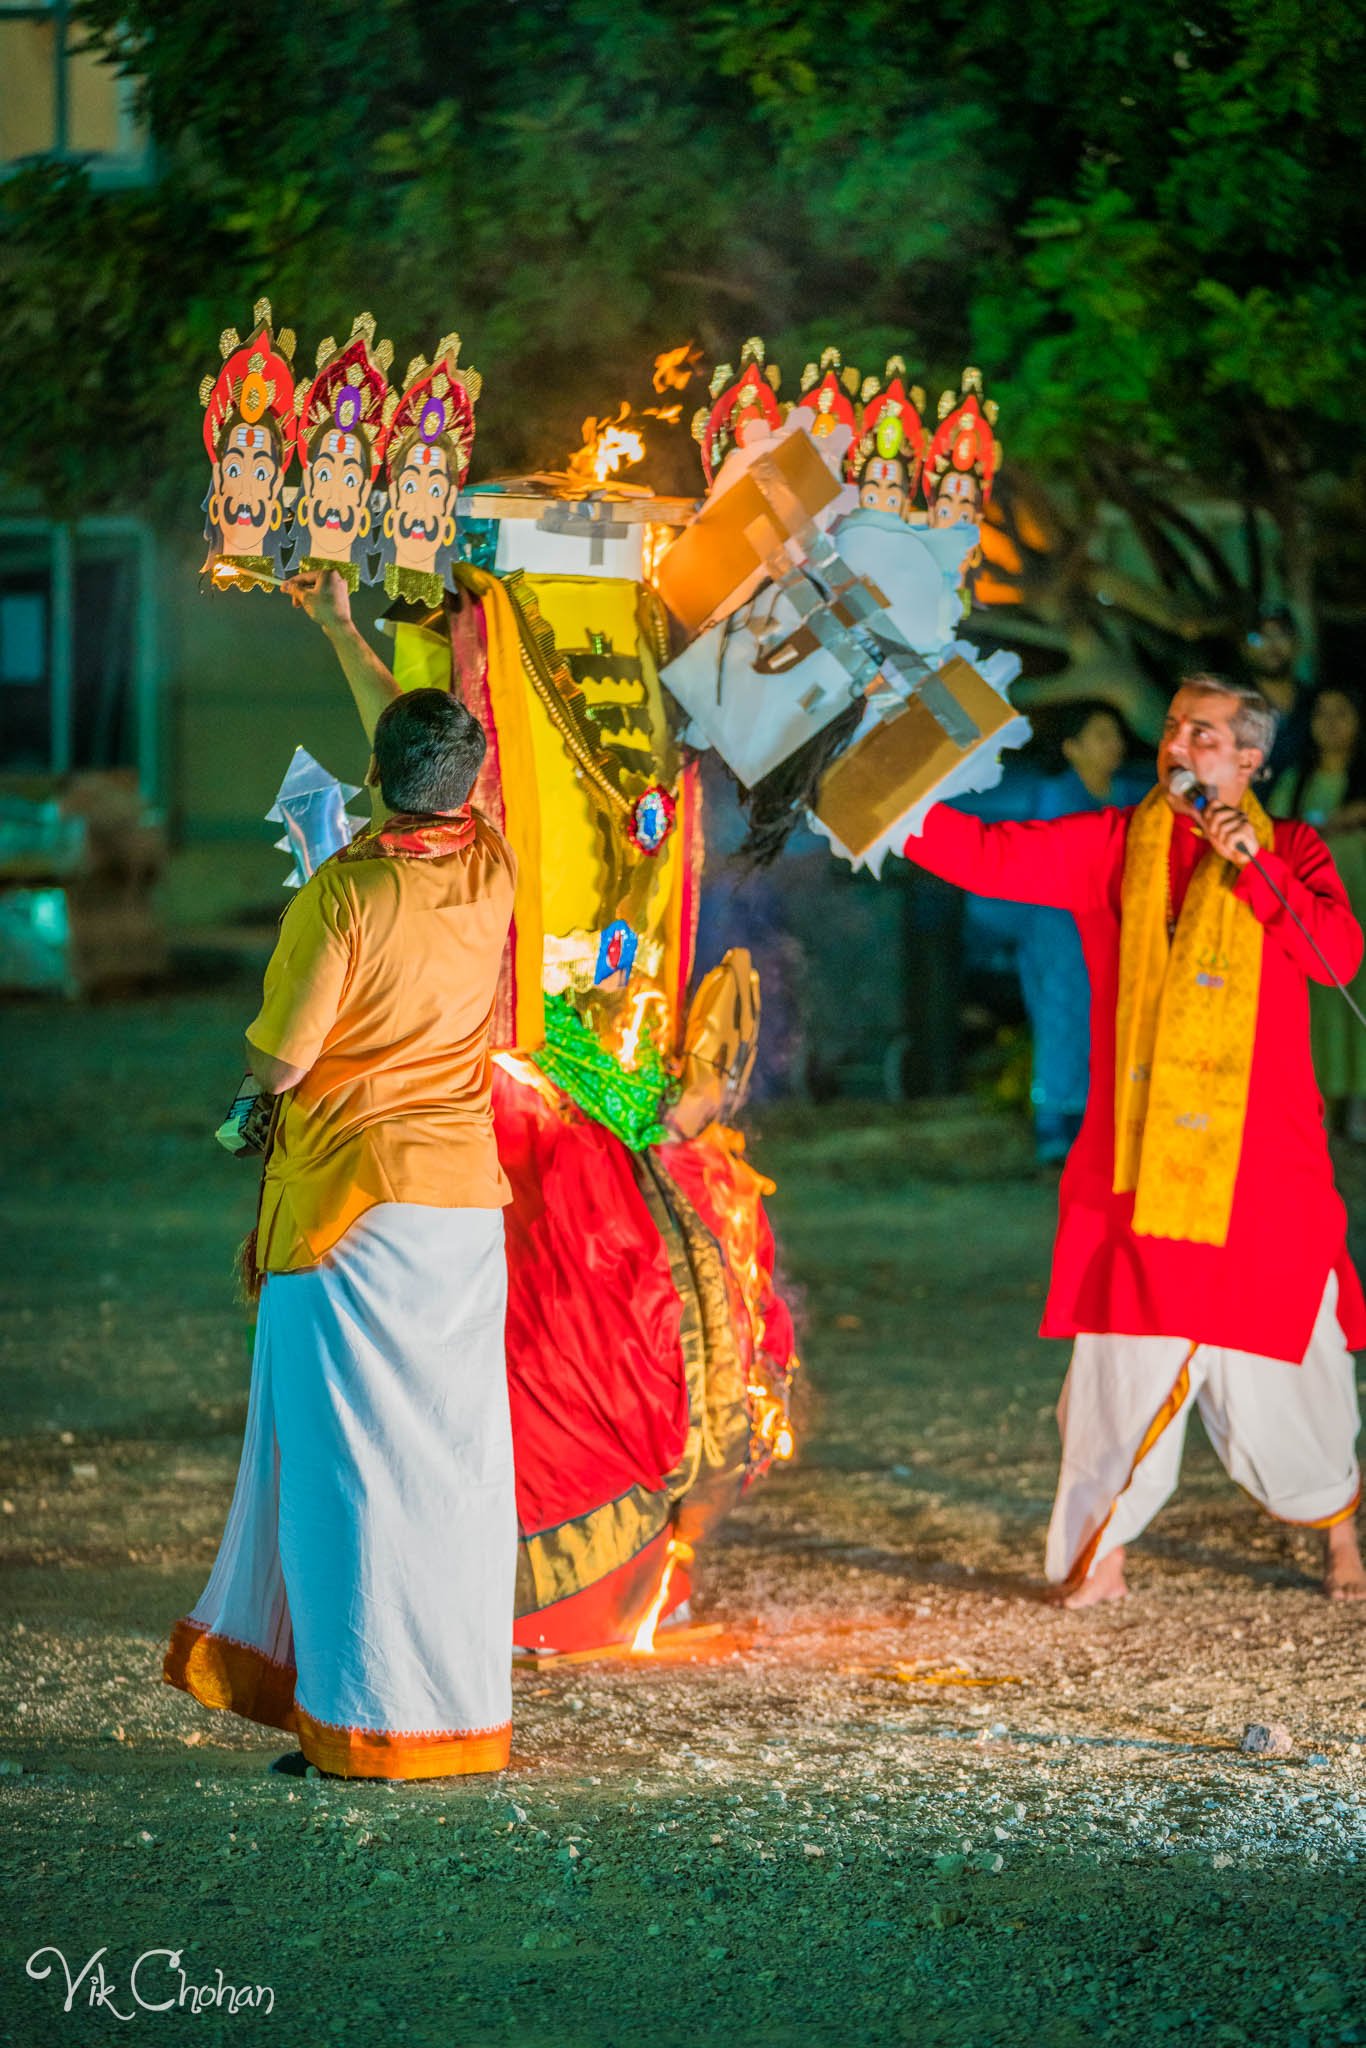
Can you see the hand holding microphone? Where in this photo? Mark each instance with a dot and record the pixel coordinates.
(1226, 829)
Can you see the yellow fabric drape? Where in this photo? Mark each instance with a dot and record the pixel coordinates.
(421, 661)
(1187, 1017)
(521, 795)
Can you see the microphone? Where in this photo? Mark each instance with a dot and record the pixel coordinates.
(1182, 782)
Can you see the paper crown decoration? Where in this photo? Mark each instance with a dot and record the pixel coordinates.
(435, 409)
(737, 402)
(348, 394)
(342, 437)
(431, 440)
(255, 386)
(964, 454)
(890, 447)
(827, 391)
(249, 434)
(889, 453)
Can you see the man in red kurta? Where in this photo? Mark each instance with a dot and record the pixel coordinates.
(1201, 1255)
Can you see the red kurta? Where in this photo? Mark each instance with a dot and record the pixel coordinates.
(1261, 1290)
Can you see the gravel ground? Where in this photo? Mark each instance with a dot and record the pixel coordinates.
(892, 1797)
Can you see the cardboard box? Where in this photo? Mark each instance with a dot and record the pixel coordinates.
(903, 759)
(719, 561)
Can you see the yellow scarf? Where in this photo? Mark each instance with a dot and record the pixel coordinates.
(1187, 1016)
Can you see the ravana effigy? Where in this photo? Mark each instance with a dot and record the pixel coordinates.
(807, 610)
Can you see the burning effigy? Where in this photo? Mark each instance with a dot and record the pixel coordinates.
(801, 620)
(650, 1354)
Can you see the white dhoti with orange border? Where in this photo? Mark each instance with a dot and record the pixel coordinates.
(363, 1592)
(1285, 1433)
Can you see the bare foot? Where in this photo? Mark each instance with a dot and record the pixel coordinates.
(1105, 1582)
(1344, 1575)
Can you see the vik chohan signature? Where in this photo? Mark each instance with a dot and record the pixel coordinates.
(156, 1983)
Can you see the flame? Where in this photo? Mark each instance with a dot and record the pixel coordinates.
(656, 540)
(529, 1075)
(225, 573)
(772, 1432)
(628, 1045)
(608, 445)
(736, 1191)
(643, 1641)
(674, 368)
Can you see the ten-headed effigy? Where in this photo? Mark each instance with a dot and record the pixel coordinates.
(803, 620)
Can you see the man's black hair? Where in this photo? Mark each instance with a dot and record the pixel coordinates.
(428, 750)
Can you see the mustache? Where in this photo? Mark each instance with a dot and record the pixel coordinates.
(237, 513)
(344, 521)
(409, 524)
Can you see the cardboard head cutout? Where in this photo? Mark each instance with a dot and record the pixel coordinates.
(342, 438)
(886, 459)
(744, 409)
(249, 433)
(963, 457)
(431, 439)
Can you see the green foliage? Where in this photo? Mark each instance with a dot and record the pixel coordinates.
(1137, 221)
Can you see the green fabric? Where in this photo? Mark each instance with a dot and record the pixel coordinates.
(628, 1100)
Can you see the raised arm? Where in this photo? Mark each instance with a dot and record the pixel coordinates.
(1064, 862)
(1302, 869)
(324, 596)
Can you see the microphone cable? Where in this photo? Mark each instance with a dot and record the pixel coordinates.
(1305, 932)
(1198, 796)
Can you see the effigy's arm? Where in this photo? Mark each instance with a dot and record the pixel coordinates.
(325, 598)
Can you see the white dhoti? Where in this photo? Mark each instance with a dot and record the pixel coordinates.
(1285, 1433)
(363, 1591)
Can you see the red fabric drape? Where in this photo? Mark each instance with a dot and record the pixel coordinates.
(595, 1364)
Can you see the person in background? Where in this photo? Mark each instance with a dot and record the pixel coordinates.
(1328, 790)
(1093, 744)
(1272, 652)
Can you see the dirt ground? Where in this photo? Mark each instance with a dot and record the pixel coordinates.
(895, 1798)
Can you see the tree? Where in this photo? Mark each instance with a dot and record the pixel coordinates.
(1138, 224)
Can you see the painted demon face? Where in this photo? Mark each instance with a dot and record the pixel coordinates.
(336, 487)
(883, 487)
(424, 494)
(958, 500)
(247, 479)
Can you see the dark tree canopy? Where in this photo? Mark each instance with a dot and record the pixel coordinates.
(1138, 222)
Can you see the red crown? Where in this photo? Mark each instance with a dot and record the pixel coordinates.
(348, 393)
(436, 407)
(737, 400)
(825, 392)
(963, 443)
(255, 386)
(891, 428)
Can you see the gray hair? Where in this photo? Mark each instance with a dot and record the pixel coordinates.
(1255, 720)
